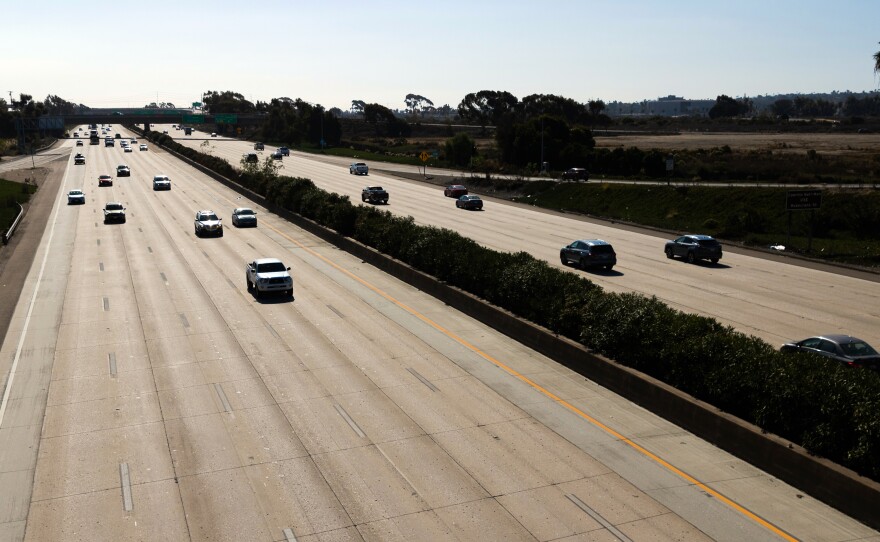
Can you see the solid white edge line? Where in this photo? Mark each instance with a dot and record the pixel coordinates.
(8, 391)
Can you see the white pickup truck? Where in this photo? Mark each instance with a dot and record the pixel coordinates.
(268, 275)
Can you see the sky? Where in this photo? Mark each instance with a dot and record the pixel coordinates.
(130, 53)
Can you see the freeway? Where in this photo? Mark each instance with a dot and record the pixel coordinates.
(149, 396)
(766, 297)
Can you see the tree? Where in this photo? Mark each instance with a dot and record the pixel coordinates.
(486, 106)
(596, 107)
(726, 107)
(558, 106)
(227, 102)
(783, 107)
(357, 106)
(414, 102)
(460, 149)
(382, 117)
(55, 105)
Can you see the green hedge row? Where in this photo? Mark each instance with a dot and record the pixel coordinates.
(830, 410)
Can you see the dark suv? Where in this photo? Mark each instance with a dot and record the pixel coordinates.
(587, 253)
(374, 194)
(693, 248)
(576, 174)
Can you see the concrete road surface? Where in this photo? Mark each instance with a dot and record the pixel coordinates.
(149, 396)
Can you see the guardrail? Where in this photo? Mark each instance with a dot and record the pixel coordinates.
(7, 235)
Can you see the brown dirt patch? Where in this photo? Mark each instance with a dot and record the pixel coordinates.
(37, 175)
(776, 142)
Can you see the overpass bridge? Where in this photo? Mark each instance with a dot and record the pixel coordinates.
(145, 117)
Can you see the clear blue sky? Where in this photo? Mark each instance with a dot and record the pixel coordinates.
(116, 53)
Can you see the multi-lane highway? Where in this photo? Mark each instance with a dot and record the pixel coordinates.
(762, 296)
(149, 396)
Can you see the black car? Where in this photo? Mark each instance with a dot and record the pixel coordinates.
(587, 253)
(693, 248)
(374, 194)
(469, 202)
(576, 174)
(848, 350)
(284, 151)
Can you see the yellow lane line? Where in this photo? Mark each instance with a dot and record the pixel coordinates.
(739, 508)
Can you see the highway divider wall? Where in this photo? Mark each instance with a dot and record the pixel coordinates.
(665, 358)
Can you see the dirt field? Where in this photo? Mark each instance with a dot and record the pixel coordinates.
(19, 175)
(779, 142)
(854, 144)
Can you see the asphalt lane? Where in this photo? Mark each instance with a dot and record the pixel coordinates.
(155, 398)
(766, 297)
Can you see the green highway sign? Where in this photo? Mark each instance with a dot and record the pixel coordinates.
(226, 119)
(193, 119)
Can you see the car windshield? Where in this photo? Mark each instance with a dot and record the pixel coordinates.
(209, 217)
(377, 188)
(241, 212)
(272, 267)
(76, 192)
(114, 207)
(858, 349)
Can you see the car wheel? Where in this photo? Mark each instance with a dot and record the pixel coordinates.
(691, 258)
(563, 259)
(384, 202)
(197, 233)
(669, 253)
(221, 233)
(583, 264)
(257, 292)
(714, 260)
(290, 292)
(609, 267)
(250, 285)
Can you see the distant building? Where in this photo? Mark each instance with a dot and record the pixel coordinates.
(669, 106)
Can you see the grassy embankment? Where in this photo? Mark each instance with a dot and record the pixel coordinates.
(12, 193)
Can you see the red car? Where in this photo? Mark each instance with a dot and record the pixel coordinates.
(105, 180)
(455, 191)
